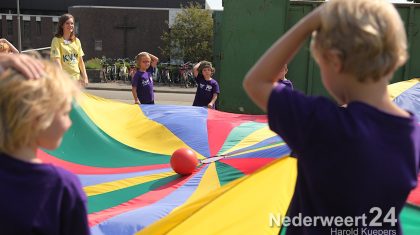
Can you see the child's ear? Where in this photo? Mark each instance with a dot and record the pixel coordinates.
(335, 59)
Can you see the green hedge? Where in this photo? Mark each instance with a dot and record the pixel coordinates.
(94, 63)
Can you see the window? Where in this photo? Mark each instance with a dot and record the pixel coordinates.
(98, 45)
(9, 27)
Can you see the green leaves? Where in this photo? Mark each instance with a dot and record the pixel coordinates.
(191, 36)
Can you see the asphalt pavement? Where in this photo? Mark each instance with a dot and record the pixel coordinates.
(124, 86)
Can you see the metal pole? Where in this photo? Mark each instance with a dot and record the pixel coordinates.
(19, 31)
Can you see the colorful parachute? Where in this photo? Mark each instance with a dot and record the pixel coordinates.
(121, 153)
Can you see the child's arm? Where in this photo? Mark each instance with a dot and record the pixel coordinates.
(195, 69)
(12, 48)
(134, 83)
(259, 81)
(213, 100)
(134, 92)
(154, 61)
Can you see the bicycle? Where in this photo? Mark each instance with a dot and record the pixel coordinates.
(164, 74)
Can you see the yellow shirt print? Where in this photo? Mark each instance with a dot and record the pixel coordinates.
(69, 53)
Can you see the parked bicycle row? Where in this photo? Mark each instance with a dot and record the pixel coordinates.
(172, 75)
(165, 73)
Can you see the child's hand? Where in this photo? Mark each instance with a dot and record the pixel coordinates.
(31, 68)
(136, 102)
(210, 105)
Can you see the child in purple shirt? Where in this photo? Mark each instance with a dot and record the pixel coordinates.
(356, 163)
(142, 82)
(207, 88)
(37, 198)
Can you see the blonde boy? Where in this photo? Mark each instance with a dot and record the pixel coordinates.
(358, 161)
(37, 198)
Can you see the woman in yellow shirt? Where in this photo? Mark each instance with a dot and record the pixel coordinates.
(67, 51)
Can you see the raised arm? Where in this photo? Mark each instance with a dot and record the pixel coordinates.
(195, 69)
(259, 81)
(154, 61)
(12, 48)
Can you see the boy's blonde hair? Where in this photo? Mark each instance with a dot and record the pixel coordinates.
(4, 48)
(34, 54)
(368, 35)
(29, 106)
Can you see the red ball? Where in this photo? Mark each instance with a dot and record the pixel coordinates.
(184, 161)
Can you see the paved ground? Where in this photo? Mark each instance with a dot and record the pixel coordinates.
(121, 86)
(122, 92)
(160, 97)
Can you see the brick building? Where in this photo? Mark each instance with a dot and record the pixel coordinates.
(121, 32)
(116, 29)
(37, 30)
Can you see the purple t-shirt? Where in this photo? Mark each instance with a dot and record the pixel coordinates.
(350, 160)
(151, 69)
(40, 199)
(143, 82)
(287, 83)
(205, 91)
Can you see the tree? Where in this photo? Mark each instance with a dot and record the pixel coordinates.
(191, 36)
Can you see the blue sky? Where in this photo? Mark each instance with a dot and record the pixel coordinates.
(215, 4)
